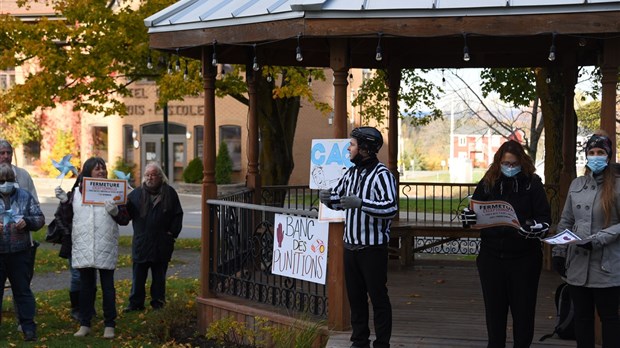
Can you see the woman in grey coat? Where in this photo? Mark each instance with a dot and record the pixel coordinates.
(592, 268)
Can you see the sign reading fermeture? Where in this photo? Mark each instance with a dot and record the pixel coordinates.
(98, 191)
(300, 248)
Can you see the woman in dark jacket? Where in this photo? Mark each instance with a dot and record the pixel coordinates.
(510, 259)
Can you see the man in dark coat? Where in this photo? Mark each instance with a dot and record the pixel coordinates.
(157, 218)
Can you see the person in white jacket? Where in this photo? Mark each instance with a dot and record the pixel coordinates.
(592, 267)
(94, 234)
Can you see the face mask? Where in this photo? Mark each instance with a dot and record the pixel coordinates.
(510, 171)
(7, 187)
(597, 163)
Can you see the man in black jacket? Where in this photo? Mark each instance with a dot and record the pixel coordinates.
(157, 219)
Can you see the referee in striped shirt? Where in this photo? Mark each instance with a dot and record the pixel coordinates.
(367, 192)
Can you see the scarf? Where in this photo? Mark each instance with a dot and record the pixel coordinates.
(151, 196)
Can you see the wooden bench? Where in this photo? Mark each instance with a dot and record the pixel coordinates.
(406, 231)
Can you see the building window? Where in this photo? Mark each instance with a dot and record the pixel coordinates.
(7, 79)
(462, 141)
(199, 142)
(100, 142)
(231, 135)
(128, 139)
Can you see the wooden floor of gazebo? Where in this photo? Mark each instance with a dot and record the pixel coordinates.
(438, 303)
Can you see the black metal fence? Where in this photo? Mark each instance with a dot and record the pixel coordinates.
(242, 234)
(241, 259)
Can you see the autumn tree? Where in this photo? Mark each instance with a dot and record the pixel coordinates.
(418, 94)
(92, 51)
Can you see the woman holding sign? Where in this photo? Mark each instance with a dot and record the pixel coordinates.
(510, 259)
(94, 237)
(591, 267)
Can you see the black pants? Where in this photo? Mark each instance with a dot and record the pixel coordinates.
(606, 301)
(365, 272)
(158, 284)
(509, 284)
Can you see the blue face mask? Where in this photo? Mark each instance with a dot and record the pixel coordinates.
(510, 171)
(597, 163)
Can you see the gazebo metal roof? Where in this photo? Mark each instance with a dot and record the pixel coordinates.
(423, 33)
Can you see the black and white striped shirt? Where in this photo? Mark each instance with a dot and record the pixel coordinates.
(370, 224)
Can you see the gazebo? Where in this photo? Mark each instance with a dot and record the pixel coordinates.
(556, 35)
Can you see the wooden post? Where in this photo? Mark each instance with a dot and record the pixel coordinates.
(394, 77)
(338, 317)
(209, 188)
(253, 179)
(338, 304)
(609, 69)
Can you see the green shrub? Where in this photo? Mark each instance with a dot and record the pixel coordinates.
(223, 166)
(193, 172)
(176, 319)
(124, 167)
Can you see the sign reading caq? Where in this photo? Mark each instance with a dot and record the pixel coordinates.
(329, 159)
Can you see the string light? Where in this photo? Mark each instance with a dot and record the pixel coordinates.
(177, 66)
(214, 56)
(186, 72)
(149, 62)
(379, 52)
(309, 78)
(170, 66)
(552, 48)
(269, 77)
(255, 65)
(548, 79)
(298, 56)
(466, 56)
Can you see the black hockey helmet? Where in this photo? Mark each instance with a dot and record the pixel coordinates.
(368, 138)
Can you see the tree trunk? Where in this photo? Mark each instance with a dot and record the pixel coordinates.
(552, 107)
(277, 120)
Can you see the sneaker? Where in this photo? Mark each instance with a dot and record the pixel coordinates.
(83, 331)
(108, 332)
(131, 308)
(30, 336)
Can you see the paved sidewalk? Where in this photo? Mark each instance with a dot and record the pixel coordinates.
(185, 264)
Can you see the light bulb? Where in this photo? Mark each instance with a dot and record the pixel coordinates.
(149, 63)
(466, 56)
(551, 54)
(379, 55)
(255, 65)
(177, 66)
(298, 56)
(214, 59)
(269, 77)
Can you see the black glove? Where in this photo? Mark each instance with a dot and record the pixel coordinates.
(468, 217)
(533, 229)
(587, 246)
(558, 263)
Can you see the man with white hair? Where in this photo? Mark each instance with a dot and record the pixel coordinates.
(157, 217)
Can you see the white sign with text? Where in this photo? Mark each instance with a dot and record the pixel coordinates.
(300, 248)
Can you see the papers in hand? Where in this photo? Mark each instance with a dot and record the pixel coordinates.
(565, 237)
(494, 213)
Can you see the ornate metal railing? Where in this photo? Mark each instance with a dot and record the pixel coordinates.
(241, 236)
(424, 202)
